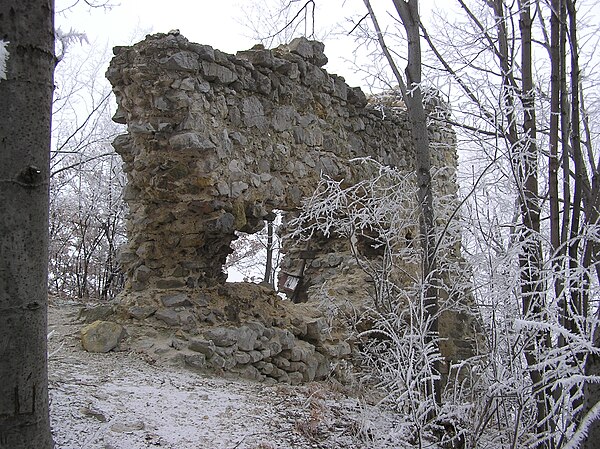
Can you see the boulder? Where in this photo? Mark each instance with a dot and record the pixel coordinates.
(316, 329)
(101, 336)
(179, 299)
(141, 312)
(222, 336)
(95, 313)
(246, 338)
(205, 347)
(195, 360)
(168, 316)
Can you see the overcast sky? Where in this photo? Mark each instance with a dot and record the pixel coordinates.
(223, 24)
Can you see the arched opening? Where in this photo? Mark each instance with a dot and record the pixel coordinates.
(255, 257)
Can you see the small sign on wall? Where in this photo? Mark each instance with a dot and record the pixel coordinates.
(289, 283)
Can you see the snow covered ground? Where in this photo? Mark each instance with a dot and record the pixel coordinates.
(121, 400)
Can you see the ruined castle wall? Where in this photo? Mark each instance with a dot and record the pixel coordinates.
(216, 141)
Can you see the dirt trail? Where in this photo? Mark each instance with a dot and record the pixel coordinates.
(120, 401)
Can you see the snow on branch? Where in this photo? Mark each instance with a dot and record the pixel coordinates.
(4, 54)
(581, 433)
(65, 39)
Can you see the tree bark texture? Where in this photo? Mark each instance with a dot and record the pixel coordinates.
(25, 102)
(408, 10)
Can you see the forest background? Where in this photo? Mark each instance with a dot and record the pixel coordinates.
(521, 82)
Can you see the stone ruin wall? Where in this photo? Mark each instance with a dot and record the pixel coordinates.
(215, 142)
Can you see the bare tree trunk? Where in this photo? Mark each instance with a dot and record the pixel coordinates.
(268, 278)
(531, 259)
(25, 102)
(556, 60)
(408, 10)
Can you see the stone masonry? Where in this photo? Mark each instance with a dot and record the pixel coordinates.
(214, 144)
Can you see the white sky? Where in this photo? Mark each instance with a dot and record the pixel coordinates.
(219, 23)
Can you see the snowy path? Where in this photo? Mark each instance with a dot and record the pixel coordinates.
(119, 401)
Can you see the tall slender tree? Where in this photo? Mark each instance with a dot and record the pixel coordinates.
(25, 101)
(412, 93)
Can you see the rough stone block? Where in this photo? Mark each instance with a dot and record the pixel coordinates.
(299, 367)
(258, 57)
(249, 372)
(184, 60)
(205, 52)
(167, 316)
(101, 336)
(315, 329)
(323, 367)
(302, 351)
(217, 361)
(282, 363)
(282, 376)
(246, 338)
(265, 367)
(312, 51)
(256, 356)
(205, 347)
(95, 313)
(226, 351)
(216, 72)
(142, 273)
(176, 300)
(242, 358)
(195, 360)
(274, 347)
(285, 338)
(222, 336)
(190, 141)
(167, 284)
(141, 312)
(295, 378)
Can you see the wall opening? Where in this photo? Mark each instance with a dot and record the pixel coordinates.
(256, 257)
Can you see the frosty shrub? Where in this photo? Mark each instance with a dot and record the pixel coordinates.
(490, 398)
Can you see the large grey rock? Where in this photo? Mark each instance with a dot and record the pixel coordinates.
(255, 356)
(258, 57)
(285, 338)
(242, 358)
(101, 336)
(190, 141)
(253, 113)
(141, 312)
(323, 369)
(176, 300)
(312, 51)
(222, 336)
(274, 347)
(195, 360)
(95, 313)
(246, 338)
(336, 350)
(315, 329)
(283, 363)
(184, 60)
(216, 72)
(206, 347)
(167, 316)
(295, 378)
(302, 351)
(249, 372)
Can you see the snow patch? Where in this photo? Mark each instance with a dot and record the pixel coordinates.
(124, 400)
(4, 54)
